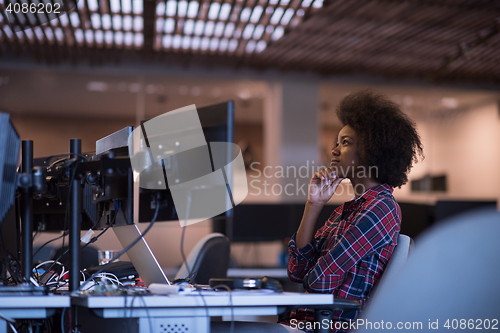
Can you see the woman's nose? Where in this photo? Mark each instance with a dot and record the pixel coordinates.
(335, 151)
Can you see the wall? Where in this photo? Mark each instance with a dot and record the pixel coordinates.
(51, 134)
(466, 147)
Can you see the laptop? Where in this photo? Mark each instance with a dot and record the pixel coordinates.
(141, 255)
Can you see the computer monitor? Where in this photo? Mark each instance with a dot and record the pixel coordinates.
(9, 156)
(114, 191)
(447, 208)
(262, 222)
(50, 210)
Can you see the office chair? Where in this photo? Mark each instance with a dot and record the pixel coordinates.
(208, 259)
(396, 263)
(450, 282)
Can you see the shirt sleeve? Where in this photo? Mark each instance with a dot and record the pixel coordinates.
(300, 260)
(371, 229)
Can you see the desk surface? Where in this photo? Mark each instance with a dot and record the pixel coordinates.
(210, 299)
(34, 302)
(25, 306)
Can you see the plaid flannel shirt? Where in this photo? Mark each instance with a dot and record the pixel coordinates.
(349, 253)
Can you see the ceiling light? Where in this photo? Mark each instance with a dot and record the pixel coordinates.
(196, 91)
(247, 33)
(278, 12)
(224, 12)
(138, 7)
(449, 102)
(97, 86)
(75, 21)
(134, 87)
(92, 5)
(127, 23)
(245, 14)
(138, 23)
(117, 22)
(216, 92)
(261, 45)
(138, 39)
(171, 8)
(126, 6)
(214, 11)
(278, 33)
(219, 29)
(257, 12)
(160, 8)
(198, 28)
(245, 94)
(229, 29)
(189, 27)
(182, 8)
(115, 6)
(214, 43)
(223, 44)
(192, 9)
(79, 35)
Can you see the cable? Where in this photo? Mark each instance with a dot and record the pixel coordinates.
(230, 304)
(147, 312)
(62, 320)
(188, 206)
(7, 318)
(129, 246)
(13, 328)
(90, 242)
(50, 241)
(64, 159)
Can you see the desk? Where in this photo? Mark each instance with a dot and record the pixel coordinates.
(30, 307)
(278, 273)
(191, 313)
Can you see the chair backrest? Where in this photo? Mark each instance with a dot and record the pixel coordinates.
(397, 261)
(209, 259)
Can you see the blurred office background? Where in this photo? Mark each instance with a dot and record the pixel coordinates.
(286, 64)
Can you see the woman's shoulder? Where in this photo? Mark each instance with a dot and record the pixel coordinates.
(383, 205)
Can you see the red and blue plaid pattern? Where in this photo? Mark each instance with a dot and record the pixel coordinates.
(349, 253)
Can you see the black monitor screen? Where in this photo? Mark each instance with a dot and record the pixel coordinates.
(449, 208)
(9, 154)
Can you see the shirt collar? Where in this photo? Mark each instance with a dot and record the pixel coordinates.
(373, 192)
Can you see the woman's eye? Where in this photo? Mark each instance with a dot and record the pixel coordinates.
(345, 142)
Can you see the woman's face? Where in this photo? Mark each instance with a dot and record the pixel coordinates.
(345, 156)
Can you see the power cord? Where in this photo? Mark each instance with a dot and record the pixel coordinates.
(128, 247)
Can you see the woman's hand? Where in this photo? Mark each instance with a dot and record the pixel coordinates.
(322, 186)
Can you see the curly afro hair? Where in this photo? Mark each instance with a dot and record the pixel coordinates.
(388, 139)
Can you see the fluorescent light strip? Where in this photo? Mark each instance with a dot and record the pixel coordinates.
(126, 6)
(127, 23)
(182, 8)
(96, 21)
(214, 11)
(192, 11)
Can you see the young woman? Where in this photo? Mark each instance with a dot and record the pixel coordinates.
(375, 150)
